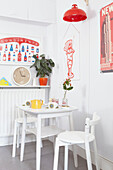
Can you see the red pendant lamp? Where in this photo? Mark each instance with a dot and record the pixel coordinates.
(74, 14)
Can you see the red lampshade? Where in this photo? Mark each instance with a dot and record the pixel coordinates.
(74, 14)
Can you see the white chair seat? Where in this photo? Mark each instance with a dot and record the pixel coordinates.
(74, 137)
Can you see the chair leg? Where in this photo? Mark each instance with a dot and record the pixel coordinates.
(75, 155)
(96, 155)
(23, 138)
(88, 155)
(41, 144)
(66, 158)
(54, 139)
(74, 147)
(14, 140)
(18, 135)
(56, 154)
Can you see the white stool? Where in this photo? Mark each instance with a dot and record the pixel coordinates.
(78, 137)
(18, 124)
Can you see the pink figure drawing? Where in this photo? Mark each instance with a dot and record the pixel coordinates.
(69, 53)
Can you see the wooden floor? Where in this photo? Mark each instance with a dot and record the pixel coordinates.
(29, 163)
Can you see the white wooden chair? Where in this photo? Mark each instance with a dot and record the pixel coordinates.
(17, 125)
(78, 137)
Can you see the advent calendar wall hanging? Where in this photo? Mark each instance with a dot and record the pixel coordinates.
(106, 38)
(18, 50)
(68, 48)
(71, 53)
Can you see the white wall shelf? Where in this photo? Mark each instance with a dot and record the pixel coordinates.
(14, 87)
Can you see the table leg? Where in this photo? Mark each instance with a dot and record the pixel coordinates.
(74, 148)
(23, 136)
(38, 143)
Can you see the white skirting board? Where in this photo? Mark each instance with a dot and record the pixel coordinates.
(8, 140)
(103, 163)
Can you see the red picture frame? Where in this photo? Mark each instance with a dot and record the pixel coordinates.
(106, 38)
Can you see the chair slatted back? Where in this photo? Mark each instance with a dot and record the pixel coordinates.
(90, 124)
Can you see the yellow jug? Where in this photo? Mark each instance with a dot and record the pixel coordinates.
(36, 104)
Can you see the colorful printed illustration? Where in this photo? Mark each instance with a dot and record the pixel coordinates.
(37, 50)
(0, 48)
(4, 56)
(4, 82)
(69, 53)
(33, 60)
(14, 57)
(106, 38)
(27, 48)
(22, 48)
(25, 58)
(9, 57)
(17, 50)
(11, 48)
(19, 56)
(32, 49)
(6, 48)
(0, 56)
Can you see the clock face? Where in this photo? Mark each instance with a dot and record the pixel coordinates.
(21, 76)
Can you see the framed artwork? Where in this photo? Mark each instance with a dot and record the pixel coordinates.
(71, 53)
(18, 50)
(106, 38)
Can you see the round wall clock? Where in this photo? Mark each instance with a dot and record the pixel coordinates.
(21, 76)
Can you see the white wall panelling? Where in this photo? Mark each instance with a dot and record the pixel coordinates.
(94, 90)
(101, 84)
(18, 28)
(14, 9)
(9, 98)
(42, 11)
(33, 10)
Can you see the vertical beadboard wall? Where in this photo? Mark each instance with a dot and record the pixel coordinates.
(9, 98)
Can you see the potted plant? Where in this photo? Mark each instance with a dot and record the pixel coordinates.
(67, 86)
(43, 68)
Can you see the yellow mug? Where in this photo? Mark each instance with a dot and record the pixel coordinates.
(36, 104)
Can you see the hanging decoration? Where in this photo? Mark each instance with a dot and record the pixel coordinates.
(71, 53)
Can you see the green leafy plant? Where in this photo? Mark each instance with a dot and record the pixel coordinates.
(67, 85)
(42, 65)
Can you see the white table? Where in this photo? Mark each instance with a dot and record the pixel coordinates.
(49, 130)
